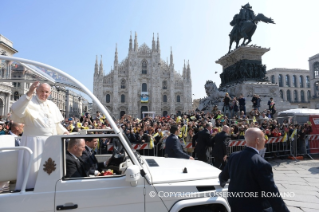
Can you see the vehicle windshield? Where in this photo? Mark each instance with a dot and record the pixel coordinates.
(136, 153)
(15, 70)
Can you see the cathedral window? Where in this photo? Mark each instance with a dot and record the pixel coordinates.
(144, 67)
(273, 79)
(301, 81)
(164, 85)
(122, 98)
(164, 98)
(108, 98)
(123, 84)
(144, 87)
(281, 94)
(178, 98)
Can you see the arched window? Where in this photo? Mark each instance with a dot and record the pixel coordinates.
(301, 81)
(281, 94)
(295, 96)
(144, 67)
(144, 87)
(294, 81)
(307, 81)
(308, 95)
(287, 81)
(164, 98)
(178, 98)
(122, 98)
(280, 80)
(316, 70)
(302, 96)
(123, 84)
(164, 85)
(273, 79)
(288, 96)
(108, 98)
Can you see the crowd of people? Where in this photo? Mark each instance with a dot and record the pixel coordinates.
(202, 129)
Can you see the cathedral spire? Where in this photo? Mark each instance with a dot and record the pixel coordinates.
(171, 58)
(188, 71)
(101, 67)
(116, 61)
(153, 44)
(96, 68)
(184, 70)
(158, 44)
(135, 43)
(130, 46)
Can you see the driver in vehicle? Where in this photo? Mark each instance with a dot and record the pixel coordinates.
(88, 156)
(75, 166)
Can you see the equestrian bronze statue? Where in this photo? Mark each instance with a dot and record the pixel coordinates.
(244, 25)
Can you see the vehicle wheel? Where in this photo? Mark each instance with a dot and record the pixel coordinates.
(196, 209)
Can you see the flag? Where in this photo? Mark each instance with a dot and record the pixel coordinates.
(151, 143)
(284, 139)
(292, 137)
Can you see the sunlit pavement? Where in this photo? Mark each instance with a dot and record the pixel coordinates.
(301, 178)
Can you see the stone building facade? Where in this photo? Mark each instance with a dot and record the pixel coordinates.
(294, 85)
(314, 80)
(143, 82)
(69, 102)
(6, 94)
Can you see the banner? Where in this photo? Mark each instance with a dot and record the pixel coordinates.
(144, 97)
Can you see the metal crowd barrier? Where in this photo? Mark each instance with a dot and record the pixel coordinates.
(275, 147)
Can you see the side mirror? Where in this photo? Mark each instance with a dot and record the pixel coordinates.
(133, 175)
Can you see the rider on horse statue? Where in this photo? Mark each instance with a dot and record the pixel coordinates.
(244, 25)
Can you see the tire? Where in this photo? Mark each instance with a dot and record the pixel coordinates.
(196, 209)
(202, 208)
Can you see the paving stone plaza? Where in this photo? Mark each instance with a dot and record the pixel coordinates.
(300, 177)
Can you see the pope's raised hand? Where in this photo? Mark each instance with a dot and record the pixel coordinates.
(32, 88)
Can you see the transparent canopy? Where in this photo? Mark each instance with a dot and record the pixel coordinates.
(18, 71)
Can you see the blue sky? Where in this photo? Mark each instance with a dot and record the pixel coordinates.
(69, 34)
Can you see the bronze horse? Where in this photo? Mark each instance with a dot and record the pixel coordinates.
(245, 29)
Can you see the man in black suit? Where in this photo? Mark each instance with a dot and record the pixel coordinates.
(173, 147)
(75, 166)
(251, 174)
(93, 167)
(16, 131)
(202, 140)
(219, 147)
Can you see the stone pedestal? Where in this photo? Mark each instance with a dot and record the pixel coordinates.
(242, 64)
(265, 90)
(243, 73)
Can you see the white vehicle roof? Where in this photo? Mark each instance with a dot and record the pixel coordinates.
(299, 111)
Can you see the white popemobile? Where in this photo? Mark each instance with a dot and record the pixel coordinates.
(139, 183)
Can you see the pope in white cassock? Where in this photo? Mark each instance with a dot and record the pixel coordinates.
(42, 118)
